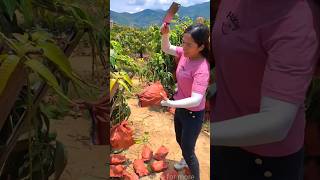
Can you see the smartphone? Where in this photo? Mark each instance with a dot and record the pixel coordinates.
(170, 13)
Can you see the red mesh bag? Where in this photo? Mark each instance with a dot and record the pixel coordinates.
(116, 159)
(146, 153)
(140, 168)
(130, 176)
(116, 170)
(159, 166)
(161, 153)
(121, 136)
(169, 175)
(150, 96)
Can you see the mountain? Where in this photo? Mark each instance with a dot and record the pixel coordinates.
(147, 17)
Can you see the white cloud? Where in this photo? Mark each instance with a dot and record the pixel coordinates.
(137, 9)
(136, 2)
(183, 2)
(165, 1)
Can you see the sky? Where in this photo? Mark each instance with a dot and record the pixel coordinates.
(133, 6)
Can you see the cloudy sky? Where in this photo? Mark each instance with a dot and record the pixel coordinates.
(133, 6)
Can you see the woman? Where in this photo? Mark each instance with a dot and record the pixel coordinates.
(192, 76)
(265, 54)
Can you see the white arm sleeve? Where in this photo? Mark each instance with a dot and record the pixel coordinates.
(166, 46)
(189, 102)
(271, 124)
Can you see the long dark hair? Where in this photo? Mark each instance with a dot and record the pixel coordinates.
(200, 33)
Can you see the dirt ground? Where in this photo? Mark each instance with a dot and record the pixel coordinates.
(85, 161)
(160, 128)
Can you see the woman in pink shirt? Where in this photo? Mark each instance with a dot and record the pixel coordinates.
(192, 76)
(265, 54)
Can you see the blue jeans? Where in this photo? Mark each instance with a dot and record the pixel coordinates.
(230, 163)
(188, 126)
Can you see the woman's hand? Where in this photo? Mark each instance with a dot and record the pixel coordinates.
(164, 29)
(165, 101)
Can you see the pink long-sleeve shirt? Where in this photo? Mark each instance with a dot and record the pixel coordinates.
(192, 76)
(264, 48)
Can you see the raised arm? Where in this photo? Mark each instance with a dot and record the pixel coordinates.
(165, 42)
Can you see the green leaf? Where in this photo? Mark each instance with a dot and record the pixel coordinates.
(112, 52)
(45, 73)
(123, 84)
(149, 168)
(81, 82)
(3, 57)
(56, 55)
(7, 67)
(41, 36)
(50, 111)
(26, 9)
(75, 14)
(10, 43)
(80, 15)
(25, 47)
(10, 7)
(39, 68)
(125, 76)
(60, 160)
(112, 83)
(79, 12)
(45, 117)
(113, 60)
(21, 37)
